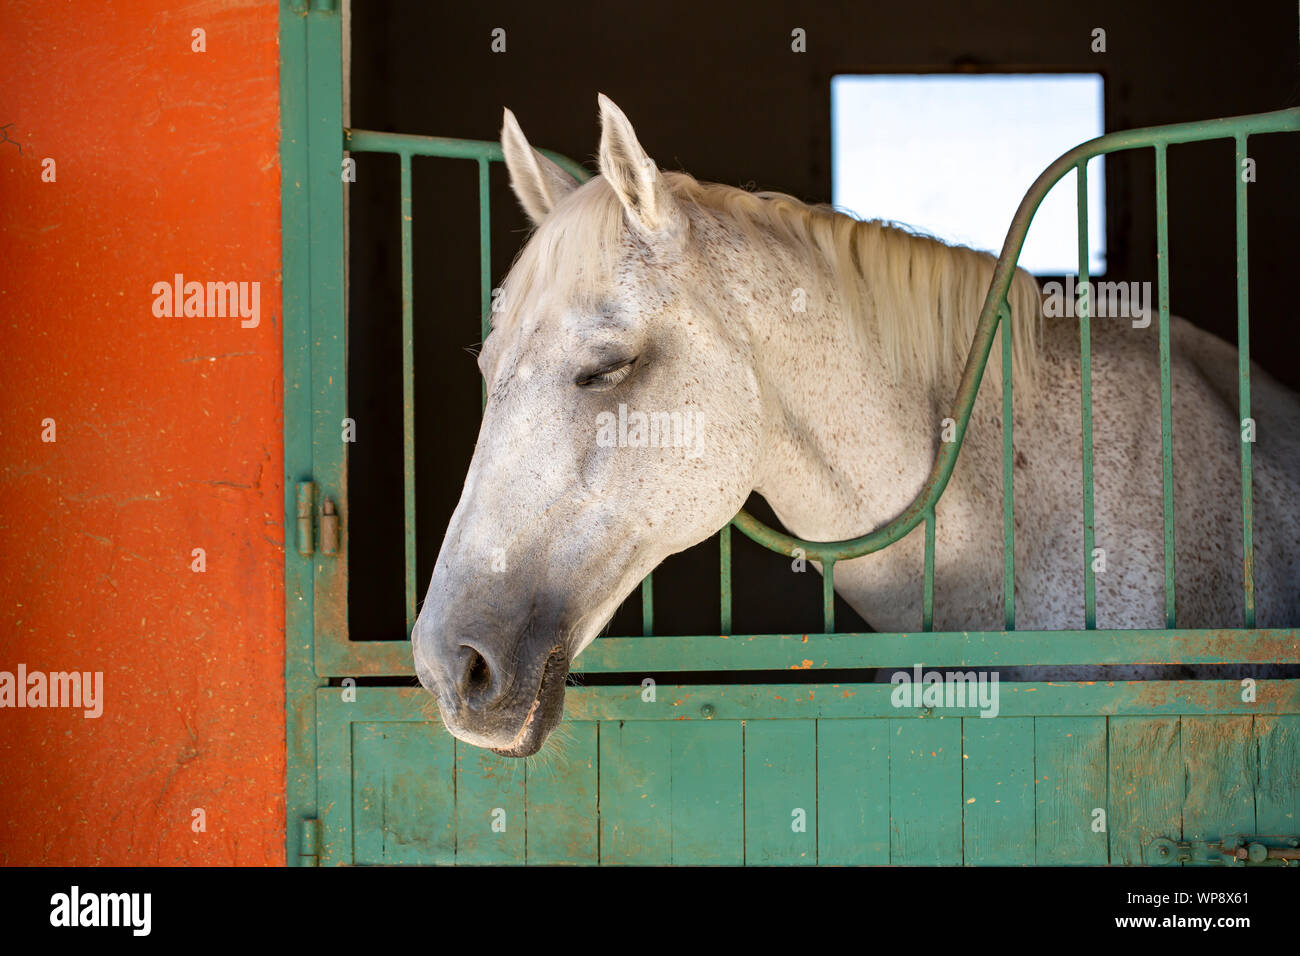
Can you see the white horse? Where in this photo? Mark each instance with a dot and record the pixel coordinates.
(816, 357)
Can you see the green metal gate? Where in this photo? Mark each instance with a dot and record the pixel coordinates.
(799, 773)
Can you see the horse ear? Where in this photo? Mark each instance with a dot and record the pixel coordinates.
(537, 181)
(646, 198)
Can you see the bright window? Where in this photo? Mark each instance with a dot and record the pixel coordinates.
(952, 156)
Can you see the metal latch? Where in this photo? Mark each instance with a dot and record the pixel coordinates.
(1231, 851)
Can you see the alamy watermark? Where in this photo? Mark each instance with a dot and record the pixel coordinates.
(75, 908)
(76, 689)
(637, 429)
(946, 689)
(1103, 300)
(181, 299)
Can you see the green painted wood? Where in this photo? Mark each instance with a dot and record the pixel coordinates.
(731, 701)
(781, 759)
(561, 794)
(853, 792)
(925, 791)
(1220, 758)
(946, 649)
(1069, 784)
(663, 789)
(636, 792)
(295, 204)
(403, 801)
(328, 381)
(757, 701)
(998, 790)
(707, 793)
(333, 734)
(486, 786)
(1277, 792)
(1146, 785)
(637, 655)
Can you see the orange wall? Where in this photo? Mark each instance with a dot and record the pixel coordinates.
(168, 433)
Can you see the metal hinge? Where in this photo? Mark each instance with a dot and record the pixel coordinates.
(329, 522)
(309, 849)
(1231, 851)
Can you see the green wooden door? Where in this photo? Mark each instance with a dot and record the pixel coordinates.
(813, 774)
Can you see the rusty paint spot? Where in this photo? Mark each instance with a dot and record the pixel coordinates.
(805, 639)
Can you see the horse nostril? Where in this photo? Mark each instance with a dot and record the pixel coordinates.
(478, 675)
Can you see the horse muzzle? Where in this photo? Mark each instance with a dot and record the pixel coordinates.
(484, 704)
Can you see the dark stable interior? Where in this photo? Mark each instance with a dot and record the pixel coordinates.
(714, 89)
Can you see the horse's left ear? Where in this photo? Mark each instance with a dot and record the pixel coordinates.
(647, 200)
(538, 183)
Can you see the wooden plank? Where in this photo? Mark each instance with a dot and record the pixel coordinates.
(925, 790)
(403, 803)
(636, 792)
(707, 792)
(964, 648)
(490, 809)
(1069, 785)
(334, 780)
(853, 792)
(1146, 785)
(560, 792)
(1220, 762)
(1063, 699)
(1277, 793)
(781, 792)
(998, 790)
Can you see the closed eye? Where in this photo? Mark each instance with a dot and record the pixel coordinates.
(607, 377)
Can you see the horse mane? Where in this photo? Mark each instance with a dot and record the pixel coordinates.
(914, 297)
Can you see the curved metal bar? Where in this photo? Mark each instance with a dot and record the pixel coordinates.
(1229, 127)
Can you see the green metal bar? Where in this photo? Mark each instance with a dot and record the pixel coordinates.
(1008, 477)
(828, 596)
(927, 577)
(648, 606)
(1243, 374)
(1279, 121)
(484, 261)
(408, 391)
(369, 141)
(1085, 401)
(724, 573)
(1166, 399)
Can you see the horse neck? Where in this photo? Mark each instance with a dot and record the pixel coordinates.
(848, 444)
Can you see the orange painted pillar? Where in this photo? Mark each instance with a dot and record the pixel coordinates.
(141, 515)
